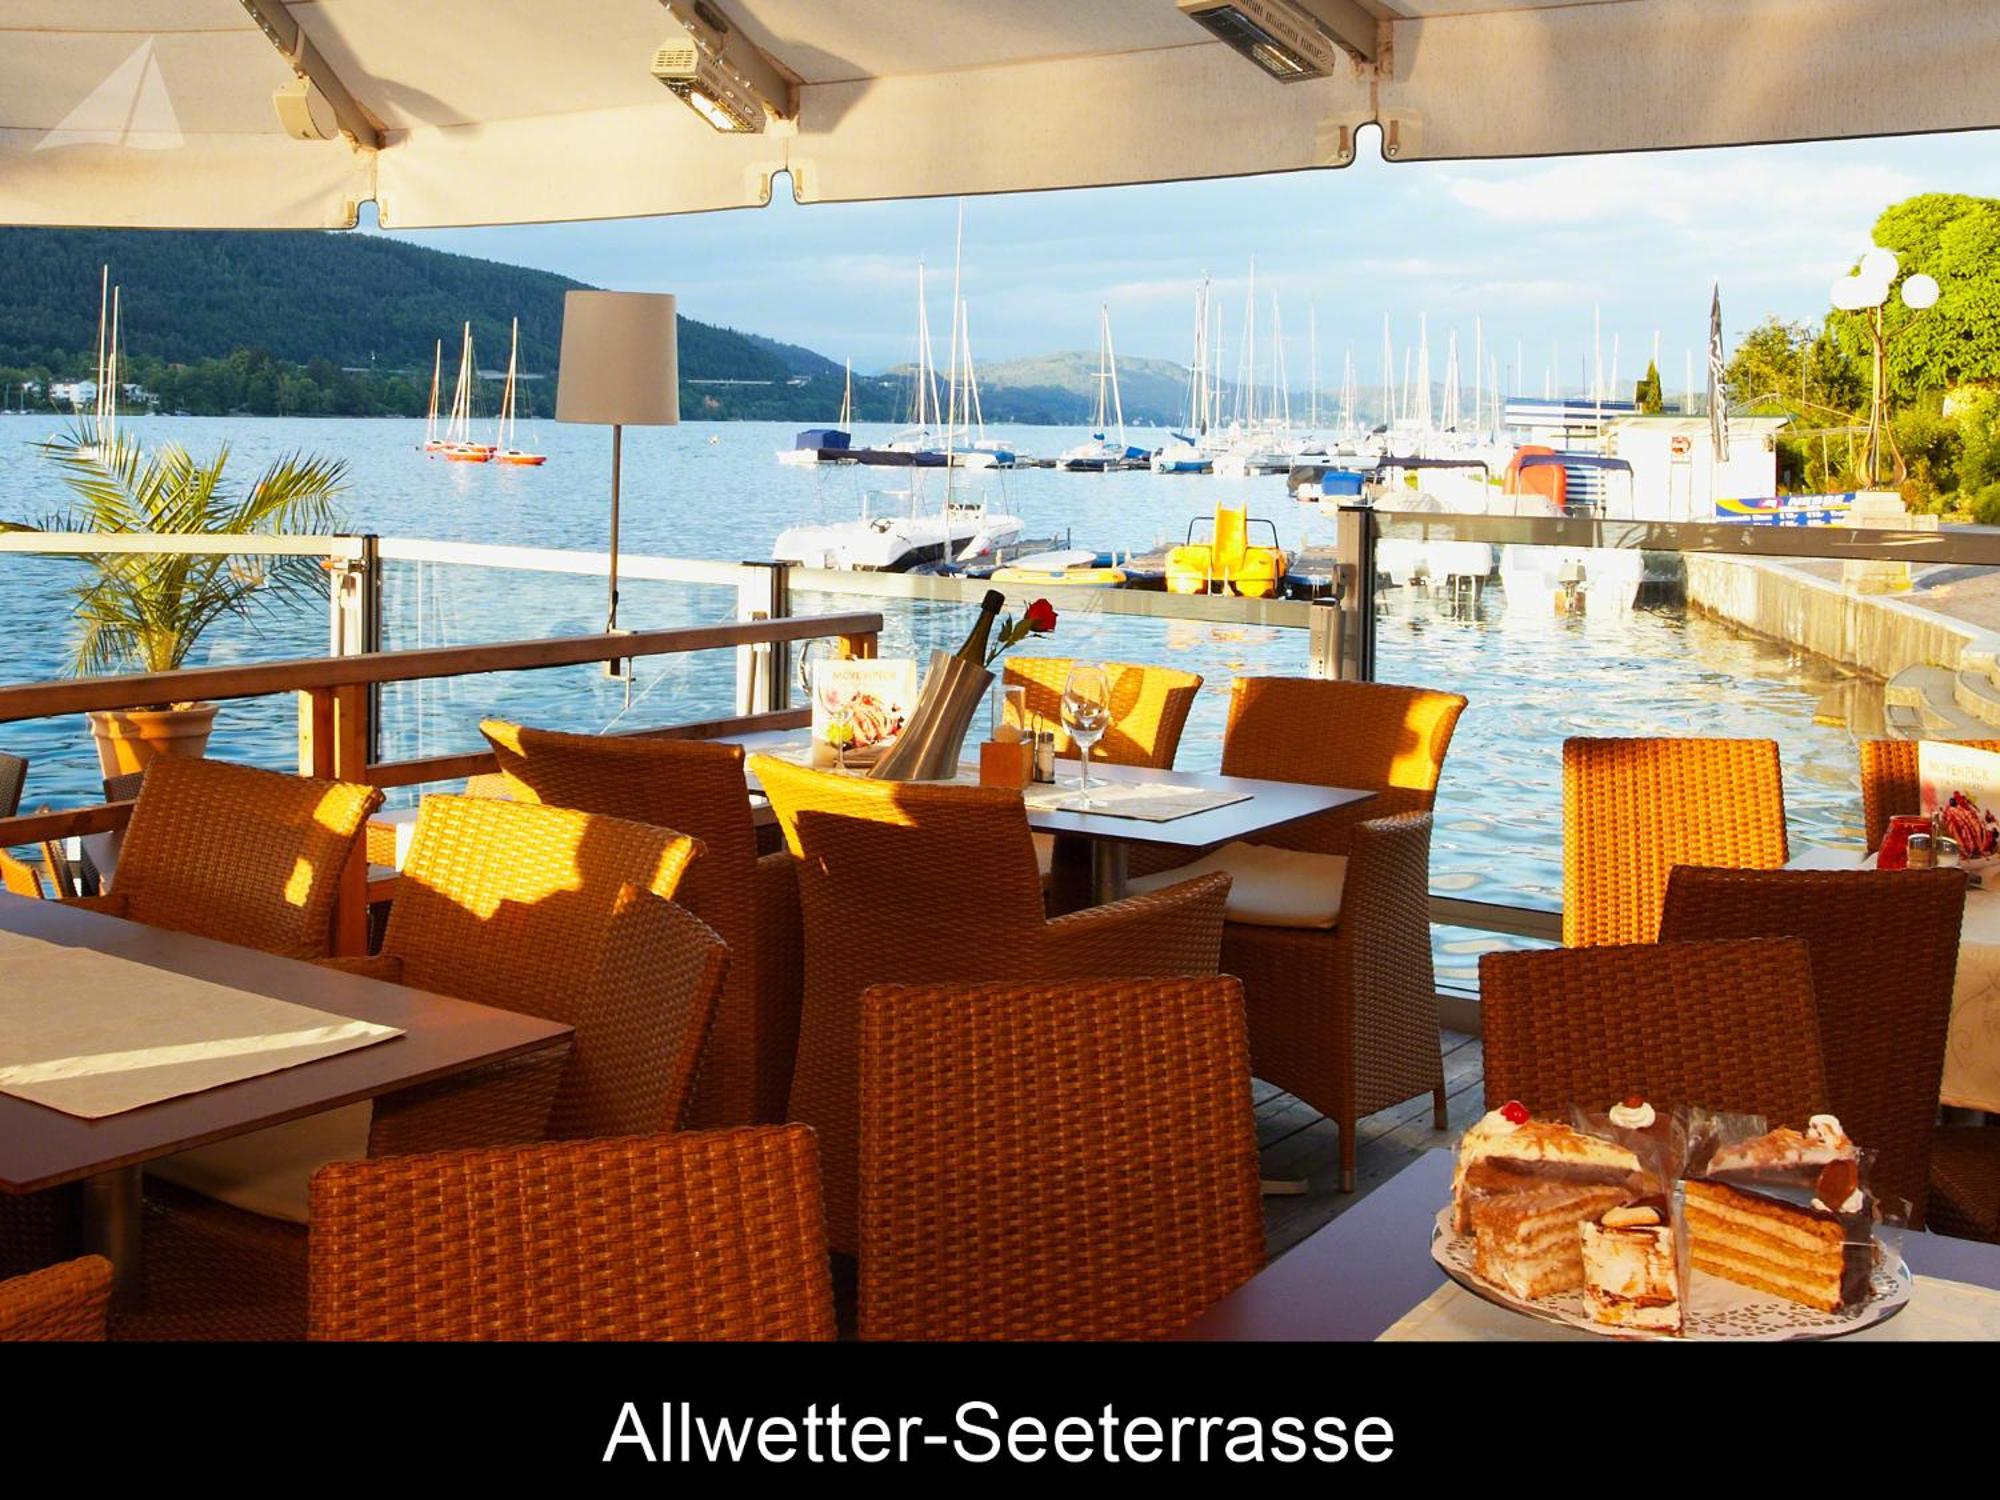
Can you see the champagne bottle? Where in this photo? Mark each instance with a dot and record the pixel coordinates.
(974, 649)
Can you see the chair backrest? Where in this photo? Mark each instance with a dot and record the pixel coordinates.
(1890, 784)
(13, 777)
(703, 1235)
(250, 857)
(1060, 1161)
(18, 879)
(1884, 954)
(67, 1301)
(512, 904)
(1149, 707)
(1726, 1025)
(1388, 739)
(1635, 808)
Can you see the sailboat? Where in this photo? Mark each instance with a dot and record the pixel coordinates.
(982, 452)
(1184, 453)
(1102, 453)
(104, 423)
(826, 445)
(506, 450)
(432, 442)
(458, 444)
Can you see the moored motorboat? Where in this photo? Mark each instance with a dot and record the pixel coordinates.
(1073, 566)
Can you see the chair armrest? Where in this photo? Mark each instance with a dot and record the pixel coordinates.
(780, 941)
(111, 905)
(387, 967)
(1385, 924)
(1173, 931)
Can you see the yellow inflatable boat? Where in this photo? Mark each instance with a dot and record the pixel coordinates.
(1228, 562)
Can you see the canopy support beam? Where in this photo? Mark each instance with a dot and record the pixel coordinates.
(285, 33)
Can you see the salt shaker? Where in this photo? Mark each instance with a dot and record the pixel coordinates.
(1045, 755)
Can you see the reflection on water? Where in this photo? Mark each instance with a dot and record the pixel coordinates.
(1530, 681)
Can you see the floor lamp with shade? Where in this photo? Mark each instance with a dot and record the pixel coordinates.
(620, 368)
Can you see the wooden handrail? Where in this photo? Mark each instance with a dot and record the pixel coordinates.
(41, 700)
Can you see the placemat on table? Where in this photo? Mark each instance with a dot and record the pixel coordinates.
(1147, 801)
(1938, 1309)
(91, 1034)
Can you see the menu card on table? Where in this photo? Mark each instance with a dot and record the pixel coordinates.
(1961, 789)
(870, 699)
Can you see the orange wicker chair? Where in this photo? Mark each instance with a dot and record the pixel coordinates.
(1066, 1161)
(543, 910)
(1635, 808)
(1965, 1182)
(19, 879)
(906, 882)
(66, 1302)
(1884, 956)
(1889, 783)
(708, 1235)
(1346, 1018)
(753, 902)
(1149, 707)
(246, 856)
(1729, 1025)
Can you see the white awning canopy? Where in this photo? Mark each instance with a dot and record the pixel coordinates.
(162, 113)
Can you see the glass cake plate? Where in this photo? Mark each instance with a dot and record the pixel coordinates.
(1715, 1309)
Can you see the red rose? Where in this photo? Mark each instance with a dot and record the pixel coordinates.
(1041, 617)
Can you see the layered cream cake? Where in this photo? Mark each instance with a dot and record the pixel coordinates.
(1785, 1213)
(1632, 1268)
(1534, 1152)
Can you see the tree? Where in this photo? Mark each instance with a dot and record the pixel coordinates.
(1956, 239)
(1646, 395)
(1795, 369)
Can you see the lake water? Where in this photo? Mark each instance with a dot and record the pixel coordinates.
(713, 490)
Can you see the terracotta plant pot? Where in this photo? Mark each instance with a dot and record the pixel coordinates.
(130, 739)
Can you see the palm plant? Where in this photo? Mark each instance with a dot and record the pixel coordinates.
(146, 610)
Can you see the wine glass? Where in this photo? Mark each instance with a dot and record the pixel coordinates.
(1086, 712)
(840, 728)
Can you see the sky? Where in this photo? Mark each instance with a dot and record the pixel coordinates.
(1532, 248)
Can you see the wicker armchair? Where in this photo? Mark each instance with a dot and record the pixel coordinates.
(1066, 1161)
(697, 788)
(1884, 956)
(13, 777)
(245, 856)
(19, 879)
(1965, 1182)
(708, 1235)
(1635, 808)
(914, 883)
(1149, 707)
(1729, 1025)
(1345, 1018)
(1889, 783)
(66, 1302)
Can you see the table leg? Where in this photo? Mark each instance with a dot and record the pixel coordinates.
(1107, 871)
(112, 1211)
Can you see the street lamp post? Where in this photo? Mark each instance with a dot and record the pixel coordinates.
(1867, 290)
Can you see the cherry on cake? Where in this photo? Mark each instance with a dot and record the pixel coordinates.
(1785, 1213)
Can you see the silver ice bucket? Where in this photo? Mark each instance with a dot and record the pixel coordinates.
(932, 742)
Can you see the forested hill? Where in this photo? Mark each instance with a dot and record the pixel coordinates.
(355, 301)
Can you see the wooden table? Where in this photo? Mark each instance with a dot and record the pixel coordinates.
(44, 1148)
(1270, 805)
(1360, 1274)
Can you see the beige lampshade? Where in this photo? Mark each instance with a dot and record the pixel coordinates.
(620, 360)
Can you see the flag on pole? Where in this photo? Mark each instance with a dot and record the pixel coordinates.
(1718, 414)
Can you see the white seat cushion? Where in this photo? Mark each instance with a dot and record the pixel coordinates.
(1270, 887)
(267, 1173)
(1045, 852)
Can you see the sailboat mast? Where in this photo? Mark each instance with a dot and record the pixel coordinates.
(951, 418)
(109, 433)
(847, 399)
(1281, 394)
(1111, 364)
(1312, 349)
(437, 373)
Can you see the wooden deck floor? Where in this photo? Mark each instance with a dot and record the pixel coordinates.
(1298, 1143)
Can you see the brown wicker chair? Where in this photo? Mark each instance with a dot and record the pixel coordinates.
(1346, 1018)
(66, 1302)
(708, 1235)
(1149, 707)
(905, 882)
(753, 902)
(1727, 1025)
(13, 777)
(246, 856)
(1965, 1182)
(1635, 808)
(1884, 955)
(1889, 783)
(1066, 1161)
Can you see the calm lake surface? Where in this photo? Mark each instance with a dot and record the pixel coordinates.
(713, 490)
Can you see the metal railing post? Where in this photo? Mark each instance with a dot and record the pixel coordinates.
(1354, 550)
(354, 604)
(763, 670)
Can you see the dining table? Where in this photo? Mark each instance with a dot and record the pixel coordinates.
(1369, 1275)
(44, 1147)
(1972, 1046)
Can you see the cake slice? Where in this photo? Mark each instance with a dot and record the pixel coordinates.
(1526, 1227)
(1536, 1151)
(1785, 1213)
(1633, 1271)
